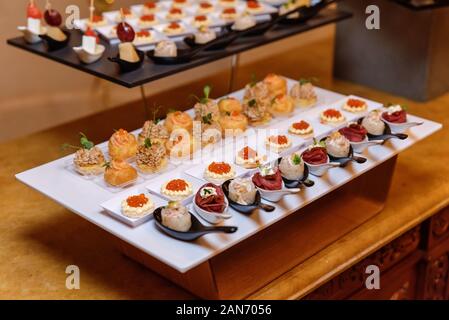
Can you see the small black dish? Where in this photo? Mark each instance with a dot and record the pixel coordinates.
(387, 135)
(223, 40)
(196, 230)
(52, 44)
(246, 209)
(126, 66)
(343, 161)
(293, 184)
(257, 30)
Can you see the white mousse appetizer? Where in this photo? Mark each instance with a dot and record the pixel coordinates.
(292, 166)
(166, 48)
(175, 216)
(204, 35)
(242, 191)
(337, 145)
(244, 22)
(373, 123)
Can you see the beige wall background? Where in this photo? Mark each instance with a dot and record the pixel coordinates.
(36, 93)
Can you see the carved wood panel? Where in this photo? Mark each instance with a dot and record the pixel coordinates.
(435, 286)
(439, 228)
(353, 279)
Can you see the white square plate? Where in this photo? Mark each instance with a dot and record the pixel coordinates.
(114, 207)
(198, 170)
(186, 30)
(156, 184)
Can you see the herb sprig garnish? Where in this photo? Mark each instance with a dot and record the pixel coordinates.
(84, 142)
(107, 164)
(155, 112)
(205, 99)
(147, 143)
(207, 119)
(254, 80)
(304, 81)
(321, 144)
(171, 110)
(296, 159)
(252, 103)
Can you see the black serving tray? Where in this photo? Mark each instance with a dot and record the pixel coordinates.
(151, 71)
(435, 4)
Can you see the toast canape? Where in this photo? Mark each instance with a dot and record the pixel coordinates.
(151, 157)
(303, 93)
(177, 189)
(218, 172)
(205, 7)
(278, 143)
(148, 20)
(301, 128)
(332, 117)
(355, 105)
(137, 206)
(249, 158)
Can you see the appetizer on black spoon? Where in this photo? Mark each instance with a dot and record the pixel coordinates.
(129, 58)
(167, 52)
(290, 13)
(340, 150)
(294, 171)
(378, 129)
(243, 196)
(222, 39)
(55, 38)
(176, 221)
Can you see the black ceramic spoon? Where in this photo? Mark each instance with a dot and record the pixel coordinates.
(258, 29)
(196, 230)
(52, 44)
(343, 161)
(222, 41)
(387, 135)
(126, 66)
(293, 184)
(246, 209)
(183, 55)
(305, 13)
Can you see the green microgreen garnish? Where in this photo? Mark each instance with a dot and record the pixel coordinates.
(147, 143)
(85, 143)
(296, 159)
(206, 91)
(252, 103)
(304, 81)
(207, 119)
(227, 113)
(253, 80)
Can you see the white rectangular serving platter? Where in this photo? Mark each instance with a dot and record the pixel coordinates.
(85, 198)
